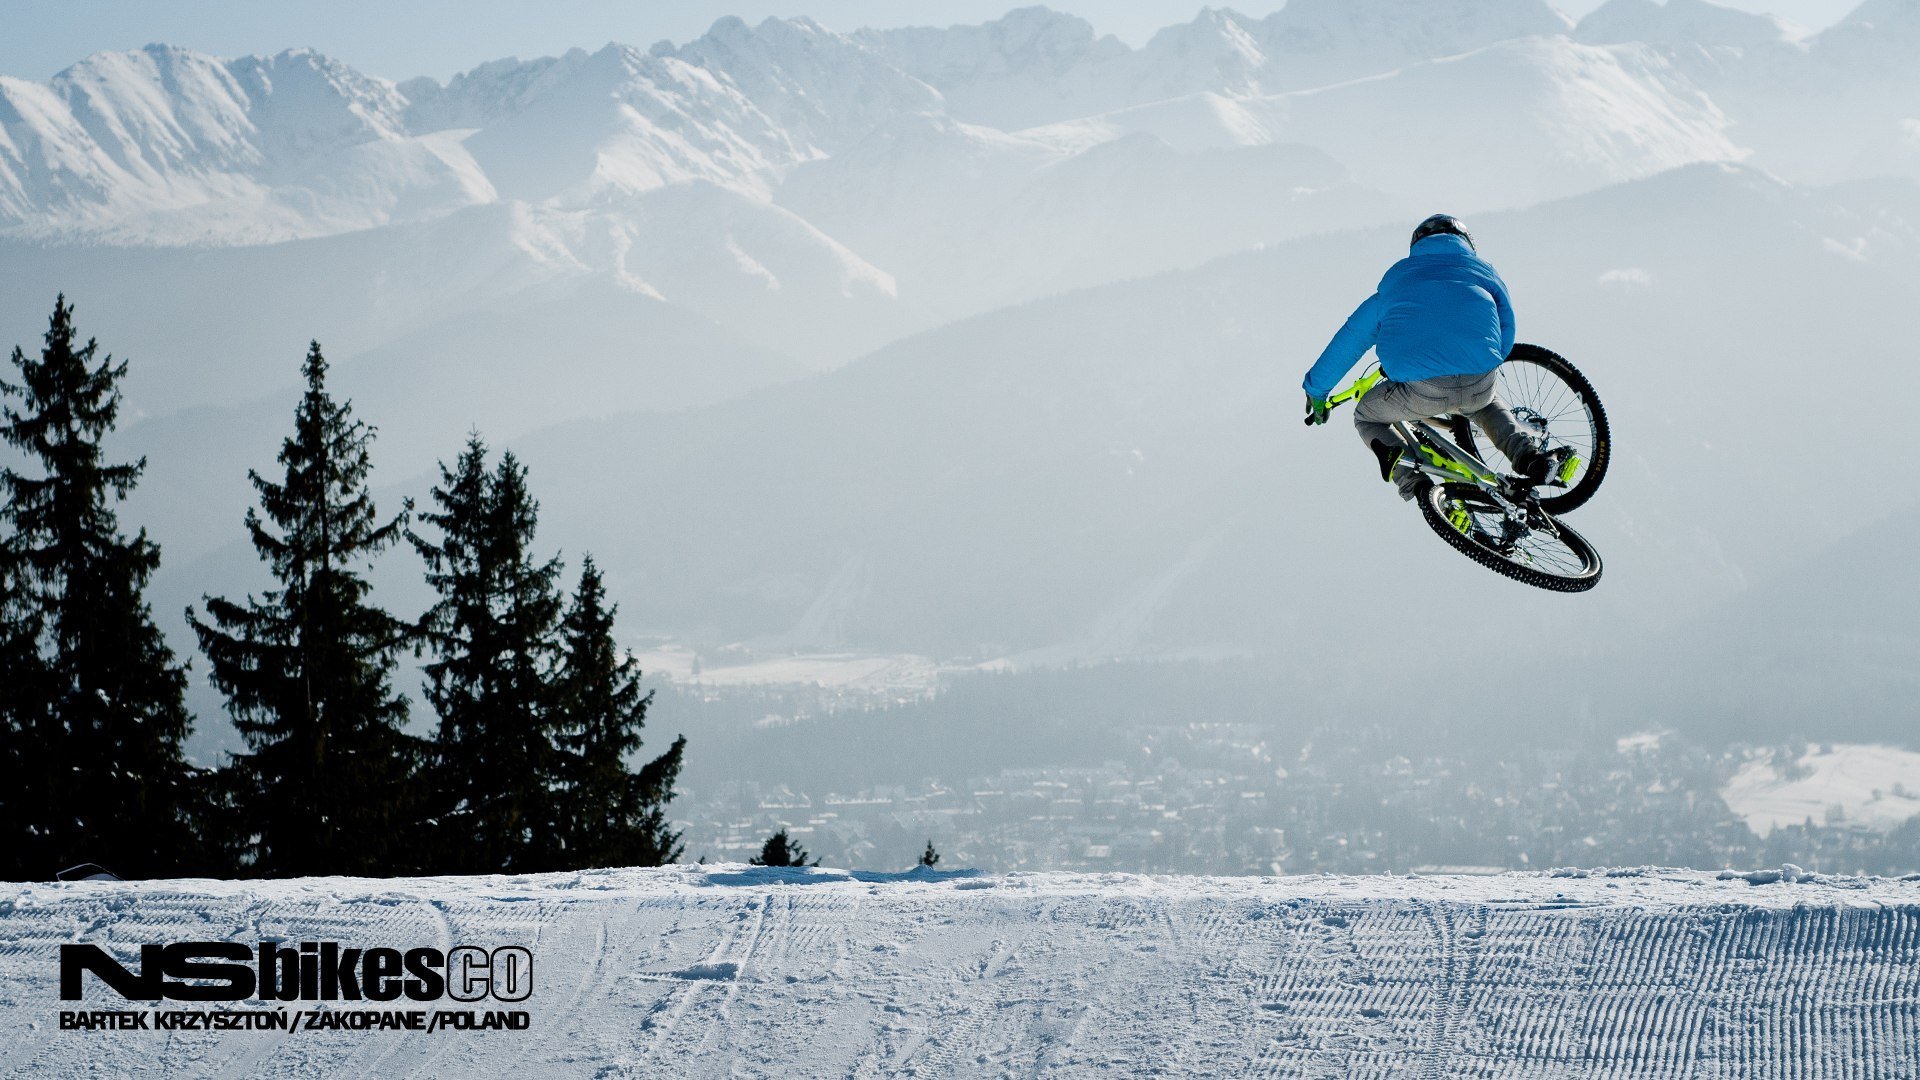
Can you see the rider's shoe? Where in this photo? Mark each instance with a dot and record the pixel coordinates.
(1544, 467)
(1407, 480)
(1389, 457)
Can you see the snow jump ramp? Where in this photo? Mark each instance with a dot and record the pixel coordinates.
(746, 972)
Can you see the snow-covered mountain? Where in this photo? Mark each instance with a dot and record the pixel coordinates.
(1686, 23)
(165, 145)
(1548, 117)
(1067, 285)
(113, 142)
(1038, 66)
(1811, 107)
(830, 191)
(168, 146)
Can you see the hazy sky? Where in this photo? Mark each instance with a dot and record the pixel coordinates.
(440, 37)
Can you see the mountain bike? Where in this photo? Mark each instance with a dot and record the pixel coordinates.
(1474, 500)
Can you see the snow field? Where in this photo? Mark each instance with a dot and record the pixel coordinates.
(736, 971)
(1873, 787)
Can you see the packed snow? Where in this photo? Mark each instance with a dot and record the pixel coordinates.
(696, 971)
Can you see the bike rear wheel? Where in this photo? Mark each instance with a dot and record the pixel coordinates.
(1538, 549)
(1550, 397)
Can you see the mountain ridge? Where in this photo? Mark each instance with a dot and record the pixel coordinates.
(170, 146)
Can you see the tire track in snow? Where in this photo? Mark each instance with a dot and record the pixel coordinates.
(722, 965)
(744, 969)
(1459, 960)
(407, 1043)
(946, 1047)
(1054, 975)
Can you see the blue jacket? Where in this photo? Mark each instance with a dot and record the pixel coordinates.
(1439, 311)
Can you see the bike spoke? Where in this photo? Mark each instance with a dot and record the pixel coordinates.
(1550, 401)
(1549, 406)
(1540, 549)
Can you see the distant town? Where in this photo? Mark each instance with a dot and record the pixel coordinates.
(1246, 798)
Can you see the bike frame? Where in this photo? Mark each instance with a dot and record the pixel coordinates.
(1499, 523)
(1432, 452)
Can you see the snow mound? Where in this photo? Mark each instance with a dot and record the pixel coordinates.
(702, 971)
(1787, 872)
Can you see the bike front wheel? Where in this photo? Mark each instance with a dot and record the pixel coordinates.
(1529, 545)
(1553, 400)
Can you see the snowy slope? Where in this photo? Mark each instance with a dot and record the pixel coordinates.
(213, 326)
(1684, 23)
(735, 971)
(171, 146)
(1036, 66)
(1510, 124)
(1549, 117)
(1316, 42)
(723, 108)
(166, 145)
(1867, 787)
(971, 218)
(1813, 107)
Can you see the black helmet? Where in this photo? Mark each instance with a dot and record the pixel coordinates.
(1440, 224)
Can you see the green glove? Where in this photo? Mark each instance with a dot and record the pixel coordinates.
(1316, 410)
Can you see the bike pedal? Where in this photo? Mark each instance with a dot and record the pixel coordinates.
(1572, 465)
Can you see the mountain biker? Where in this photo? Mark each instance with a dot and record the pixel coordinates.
(1442, 325)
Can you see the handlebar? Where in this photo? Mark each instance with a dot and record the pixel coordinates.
(1353, 392)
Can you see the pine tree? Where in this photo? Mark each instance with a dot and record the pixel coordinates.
(306, 669)
(529, 612)
(460, 631)
(609, 815)
(97, 716)
(780, 850)
(929, 858)
(23, 724)
(494, 636)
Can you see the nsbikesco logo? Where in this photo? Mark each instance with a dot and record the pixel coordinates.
(311, 971)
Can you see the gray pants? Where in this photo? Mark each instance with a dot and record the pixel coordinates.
(1472, 396)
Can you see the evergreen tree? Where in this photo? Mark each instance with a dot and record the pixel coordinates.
(780, 850)
(23, 724)
(460, 631)
(325, 785)
(929, 858)
(494, 636)
(609, 815)
(95, 713)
